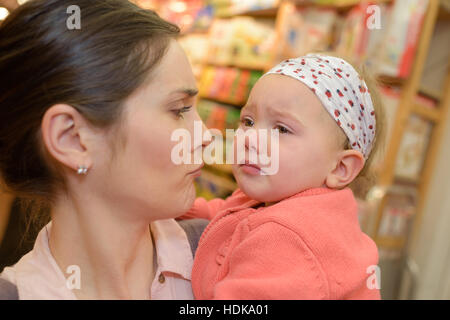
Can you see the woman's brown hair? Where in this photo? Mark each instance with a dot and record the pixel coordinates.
(93, 69)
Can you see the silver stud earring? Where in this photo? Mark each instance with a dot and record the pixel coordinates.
(82, 170)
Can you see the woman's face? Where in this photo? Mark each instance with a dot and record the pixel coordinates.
(142, 176)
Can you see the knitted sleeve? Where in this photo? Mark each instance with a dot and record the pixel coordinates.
(204, 209)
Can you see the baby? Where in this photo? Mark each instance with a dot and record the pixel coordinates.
(295, 234)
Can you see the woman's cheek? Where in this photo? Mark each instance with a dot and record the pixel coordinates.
(157, 144)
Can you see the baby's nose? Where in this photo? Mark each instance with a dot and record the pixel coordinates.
(251, 140)
(259, 140)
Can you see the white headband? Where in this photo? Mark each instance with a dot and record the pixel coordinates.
(342, 92)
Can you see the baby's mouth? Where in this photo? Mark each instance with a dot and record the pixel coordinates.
(250, 168)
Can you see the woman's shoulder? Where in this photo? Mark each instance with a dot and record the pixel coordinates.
(8, 290)
(8, 274)
(8, 287)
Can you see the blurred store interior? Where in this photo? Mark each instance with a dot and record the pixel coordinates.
(405, 44)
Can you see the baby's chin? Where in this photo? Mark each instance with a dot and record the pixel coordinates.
(265, 188)
(258, 189)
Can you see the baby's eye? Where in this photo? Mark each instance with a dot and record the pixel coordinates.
(247, 122)
(282, 129)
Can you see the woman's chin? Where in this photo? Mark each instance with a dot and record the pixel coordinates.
(186, 201)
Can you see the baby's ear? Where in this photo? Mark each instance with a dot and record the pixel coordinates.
(349, 165)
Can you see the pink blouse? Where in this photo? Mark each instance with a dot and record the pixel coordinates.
(37, 276)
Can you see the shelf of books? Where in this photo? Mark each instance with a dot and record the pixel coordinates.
(232, 43)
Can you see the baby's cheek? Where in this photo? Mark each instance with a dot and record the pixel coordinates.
(297, 168)
(290, 160)
(287, 174)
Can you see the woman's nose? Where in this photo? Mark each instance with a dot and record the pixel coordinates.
(200, 138)
(205, 142)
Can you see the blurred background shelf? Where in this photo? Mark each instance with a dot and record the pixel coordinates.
(232, 43)
(259, 13)
(341, 6)
(230, 102)
(224, 168)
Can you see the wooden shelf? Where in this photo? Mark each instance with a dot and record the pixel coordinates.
(388, 242)
(432, 93)
(390, 81)
(222, 100)
(444, 14)
(273, 12)
(341, 6)
(432, 115)
(195, 31)
(255, 67)
(406, 181)
(260, 13)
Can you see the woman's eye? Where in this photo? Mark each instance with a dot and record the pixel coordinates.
(179, 112)
(247, 122)
(282, 129)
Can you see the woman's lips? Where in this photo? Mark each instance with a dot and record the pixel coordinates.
(197, 172)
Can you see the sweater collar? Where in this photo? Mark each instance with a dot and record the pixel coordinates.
(312, 192)
(249, 202)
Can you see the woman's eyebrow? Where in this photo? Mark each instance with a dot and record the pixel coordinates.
(190, 92)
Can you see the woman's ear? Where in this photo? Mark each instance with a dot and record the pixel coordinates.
(65, 135)
(349, 165)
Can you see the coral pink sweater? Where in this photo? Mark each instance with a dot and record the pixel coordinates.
(308, 246)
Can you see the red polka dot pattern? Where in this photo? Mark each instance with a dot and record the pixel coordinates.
(341, 90)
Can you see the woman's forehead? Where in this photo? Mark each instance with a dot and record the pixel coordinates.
(175, 68)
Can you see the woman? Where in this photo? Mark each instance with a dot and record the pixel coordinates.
(86, 117)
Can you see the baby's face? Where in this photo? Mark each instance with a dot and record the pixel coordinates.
(308, 148)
